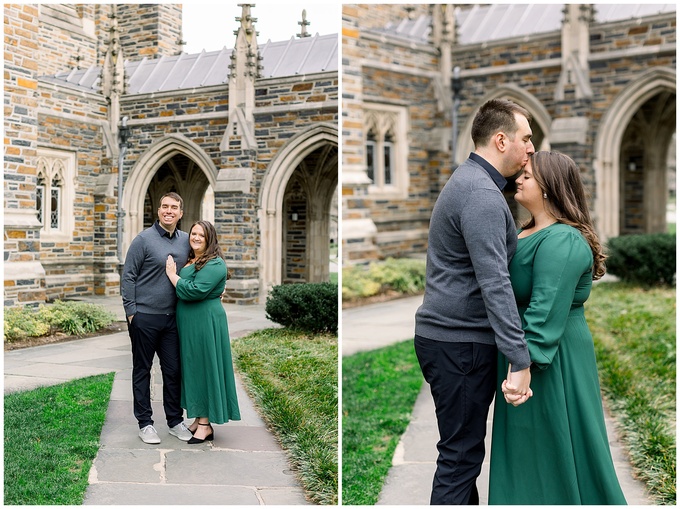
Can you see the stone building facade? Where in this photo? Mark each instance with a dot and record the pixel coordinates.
(247, 136)
(599, 81)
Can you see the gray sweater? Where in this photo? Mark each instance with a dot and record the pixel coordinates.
(146, 287)
(468, 295)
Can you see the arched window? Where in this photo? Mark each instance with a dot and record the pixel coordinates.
(386, 150)
(55, 193)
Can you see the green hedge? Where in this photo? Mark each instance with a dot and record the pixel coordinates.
(643, 259)
(311, 307)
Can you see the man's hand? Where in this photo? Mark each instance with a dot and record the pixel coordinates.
(516, 388)
(130, 318)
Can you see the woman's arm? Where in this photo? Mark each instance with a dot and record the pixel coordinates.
(211, 276)
(559, 263)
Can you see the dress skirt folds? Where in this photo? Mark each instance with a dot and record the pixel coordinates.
(208, 385)
(553, 449)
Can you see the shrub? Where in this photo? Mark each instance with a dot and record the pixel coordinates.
(643, 259)
(311, 307)
(402, 275)
(73, 318)
(23, 322)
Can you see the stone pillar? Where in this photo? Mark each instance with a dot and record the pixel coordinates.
(236, 223)
(236, 218)
(106, 277)
(24, 275)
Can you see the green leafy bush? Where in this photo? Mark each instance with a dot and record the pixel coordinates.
(73, 318)
(309, 307)
(23, 322)
(402, 275)
(643, 259)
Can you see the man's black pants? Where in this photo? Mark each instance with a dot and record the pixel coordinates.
(462, 378)
(155, 334)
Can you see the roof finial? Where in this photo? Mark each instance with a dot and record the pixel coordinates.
(246, 20)
(304, 23)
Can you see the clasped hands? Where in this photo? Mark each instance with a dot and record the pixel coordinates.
(516, 388)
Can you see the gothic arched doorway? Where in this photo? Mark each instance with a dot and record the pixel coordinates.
(307, 212)
(631, 152)
(302, 180)
(172, 163)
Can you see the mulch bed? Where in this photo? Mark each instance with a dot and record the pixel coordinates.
(61, 337)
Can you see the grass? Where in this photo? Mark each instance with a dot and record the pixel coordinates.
(634, 332)
(379, 389)
(293, 378)
(51, 438)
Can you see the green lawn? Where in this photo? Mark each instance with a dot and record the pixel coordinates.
(293, 378)
(379, 389)
(51, 438)
(634, 332)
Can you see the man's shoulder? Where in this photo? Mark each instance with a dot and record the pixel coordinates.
(471, 176)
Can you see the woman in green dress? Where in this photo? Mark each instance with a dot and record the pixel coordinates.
(553, 448)
(208, 385)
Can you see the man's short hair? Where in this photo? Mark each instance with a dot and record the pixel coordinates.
(496, 115)
(175, 197)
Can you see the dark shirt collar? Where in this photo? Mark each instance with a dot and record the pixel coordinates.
(163, 232)
(499, 179)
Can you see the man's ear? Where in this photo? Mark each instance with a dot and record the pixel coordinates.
(501, 141)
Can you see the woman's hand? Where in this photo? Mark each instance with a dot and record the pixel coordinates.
(171, 270)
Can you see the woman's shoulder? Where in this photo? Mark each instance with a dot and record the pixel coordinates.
(215, 262)
(560, 234)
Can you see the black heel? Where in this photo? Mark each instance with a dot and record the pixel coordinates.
(194, 440)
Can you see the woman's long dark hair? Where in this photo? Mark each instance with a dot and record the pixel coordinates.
(212, 248)
(559, 178)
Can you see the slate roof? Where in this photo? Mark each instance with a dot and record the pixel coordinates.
(491, 22)
(297, 56)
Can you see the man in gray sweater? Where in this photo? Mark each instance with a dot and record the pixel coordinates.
(149, 300)
(469, 312)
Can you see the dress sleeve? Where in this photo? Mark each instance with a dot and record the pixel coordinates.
(211, 274)
(560, 261)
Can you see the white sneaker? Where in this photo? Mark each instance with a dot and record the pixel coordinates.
(149, 435)
(181, 431)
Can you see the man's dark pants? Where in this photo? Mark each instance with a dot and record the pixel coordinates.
(151, 334)
(462, 378)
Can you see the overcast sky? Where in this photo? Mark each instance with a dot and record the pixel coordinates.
(211, 26)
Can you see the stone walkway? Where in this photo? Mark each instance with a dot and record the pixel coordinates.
(243, 465)
(409, 480)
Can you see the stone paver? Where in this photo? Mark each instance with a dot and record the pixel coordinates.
(244, 465)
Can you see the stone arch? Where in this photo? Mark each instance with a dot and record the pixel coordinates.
(145, 168)
(516, 94)
(271, 200)
(608, 144)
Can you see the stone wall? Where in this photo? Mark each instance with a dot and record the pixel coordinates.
(76, 125)
(68, 37)
(24, 277)
(150, 30)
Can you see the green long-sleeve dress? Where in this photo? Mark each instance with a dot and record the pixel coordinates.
(208, 385)
(553, 449)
